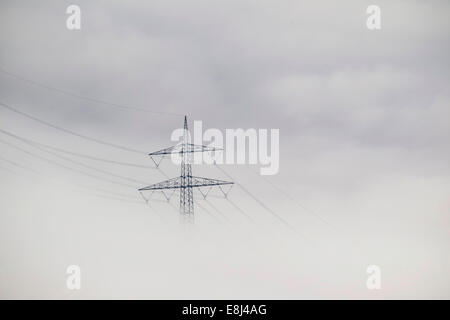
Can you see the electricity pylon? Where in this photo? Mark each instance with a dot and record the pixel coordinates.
(186, 181)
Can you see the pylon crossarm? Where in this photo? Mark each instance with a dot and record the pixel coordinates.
(206, 182)
(174, 183)
(190, 148)
(201, 148)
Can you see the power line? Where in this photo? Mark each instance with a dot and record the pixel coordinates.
(6, 106)
(17, 165)
(231, 202)
(123, 195)
(6, 169)
(294, 200)
(218, 211)
(240, 210)
(284, 222)
(118, 199)
(113, 193)
(81, 155)
(208, 212)
(91, 167)
(79, 96)
(82, 164)
(64, 166)
(110, 195)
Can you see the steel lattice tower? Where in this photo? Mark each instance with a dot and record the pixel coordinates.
(186, 192)
(186, 182)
